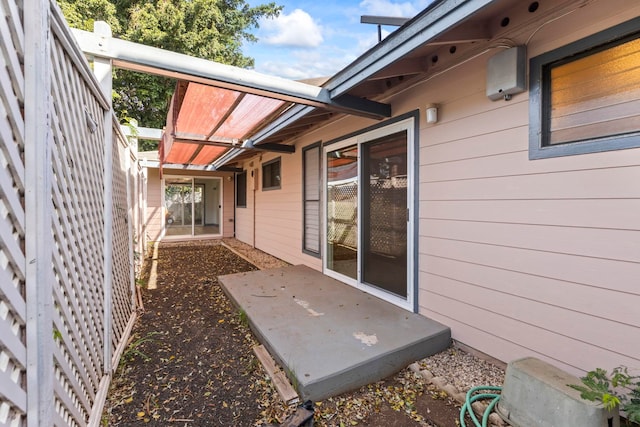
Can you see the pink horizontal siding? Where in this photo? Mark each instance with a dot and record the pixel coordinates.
(154, 214)
(524, 257)
(277, 220)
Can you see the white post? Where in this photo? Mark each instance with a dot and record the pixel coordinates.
(102, 68)
(131, 151)
(38, 210)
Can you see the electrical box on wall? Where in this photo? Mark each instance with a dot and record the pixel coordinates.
(506, 73)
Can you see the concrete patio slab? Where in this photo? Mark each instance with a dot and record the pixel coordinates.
(330, 337)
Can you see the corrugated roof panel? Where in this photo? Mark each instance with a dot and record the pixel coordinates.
(248, 114)
(203, 107)
(181, 152)
(208, 154)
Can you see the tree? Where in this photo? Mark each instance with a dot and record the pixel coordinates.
(209, 29)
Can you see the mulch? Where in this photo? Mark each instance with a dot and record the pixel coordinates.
(190, 362)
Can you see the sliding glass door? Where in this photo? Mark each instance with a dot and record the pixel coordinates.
(368, 212)
(192, 206)
(385, 214)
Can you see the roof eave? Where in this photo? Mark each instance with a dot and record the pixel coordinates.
(425, 27)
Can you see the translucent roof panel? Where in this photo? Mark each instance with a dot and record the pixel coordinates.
(202, 114)
(180, 152)
(203, 108)
(251, 111)
(208, 154)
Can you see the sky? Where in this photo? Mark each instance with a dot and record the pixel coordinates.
(318, 38)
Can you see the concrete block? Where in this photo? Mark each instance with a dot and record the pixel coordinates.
(415, 367)
(438, 382)
(427, 375)
(536, 393)
(450, 389)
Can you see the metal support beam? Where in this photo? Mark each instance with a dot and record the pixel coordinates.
(383, 20)
(149, 134)
(229, 169)
(277, 148)
(151, 60)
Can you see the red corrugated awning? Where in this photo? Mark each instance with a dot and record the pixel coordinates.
(205, 122)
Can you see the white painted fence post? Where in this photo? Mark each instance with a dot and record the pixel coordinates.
(102, 68)
(132, 153)
(38, 211)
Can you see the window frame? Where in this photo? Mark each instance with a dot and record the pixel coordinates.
(264, 174)
(317, 146)
(539, 94)
(244, 189)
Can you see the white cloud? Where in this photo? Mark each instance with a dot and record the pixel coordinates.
(406, 9)
(295, 29)
(303, 64)
(367, 41)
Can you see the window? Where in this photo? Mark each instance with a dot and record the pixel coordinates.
(241, 189)
(585, 97)
(271, 175)
(311, 199)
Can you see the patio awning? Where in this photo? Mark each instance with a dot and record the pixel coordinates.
(222, 114)
(205, 122)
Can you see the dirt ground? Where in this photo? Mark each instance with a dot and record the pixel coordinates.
(190, 362)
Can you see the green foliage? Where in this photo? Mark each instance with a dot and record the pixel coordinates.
(133, 350)
(210, 29)
(82, 13)
(620, 389)
(243, 318)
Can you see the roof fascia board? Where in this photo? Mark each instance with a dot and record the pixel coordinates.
(225, 158)
(138, 57)
(289, 117)
(419, 31)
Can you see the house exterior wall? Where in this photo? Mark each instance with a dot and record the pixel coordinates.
(272, 220)
(155, 211)
(528, 257)
(519, 257)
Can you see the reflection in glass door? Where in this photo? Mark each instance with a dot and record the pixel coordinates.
(192, 206)
(342, 211)
(384, 214)
(178, 198)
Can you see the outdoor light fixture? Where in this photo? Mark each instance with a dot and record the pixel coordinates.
(432, 113)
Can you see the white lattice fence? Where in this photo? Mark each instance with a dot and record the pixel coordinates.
(122, 260)
(66, 225)
(78, 234)
(13, 350)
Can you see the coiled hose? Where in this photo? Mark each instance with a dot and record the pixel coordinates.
(473, 397)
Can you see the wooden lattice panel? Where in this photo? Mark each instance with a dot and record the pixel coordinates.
(77, 226)
(13, 350)
(122, 242)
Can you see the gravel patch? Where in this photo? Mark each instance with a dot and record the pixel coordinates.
(260, 259)
(462, 369)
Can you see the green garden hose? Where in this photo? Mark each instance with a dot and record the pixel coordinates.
(472, 397)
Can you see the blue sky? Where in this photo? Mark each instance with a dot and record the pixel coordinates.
(319, 38)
